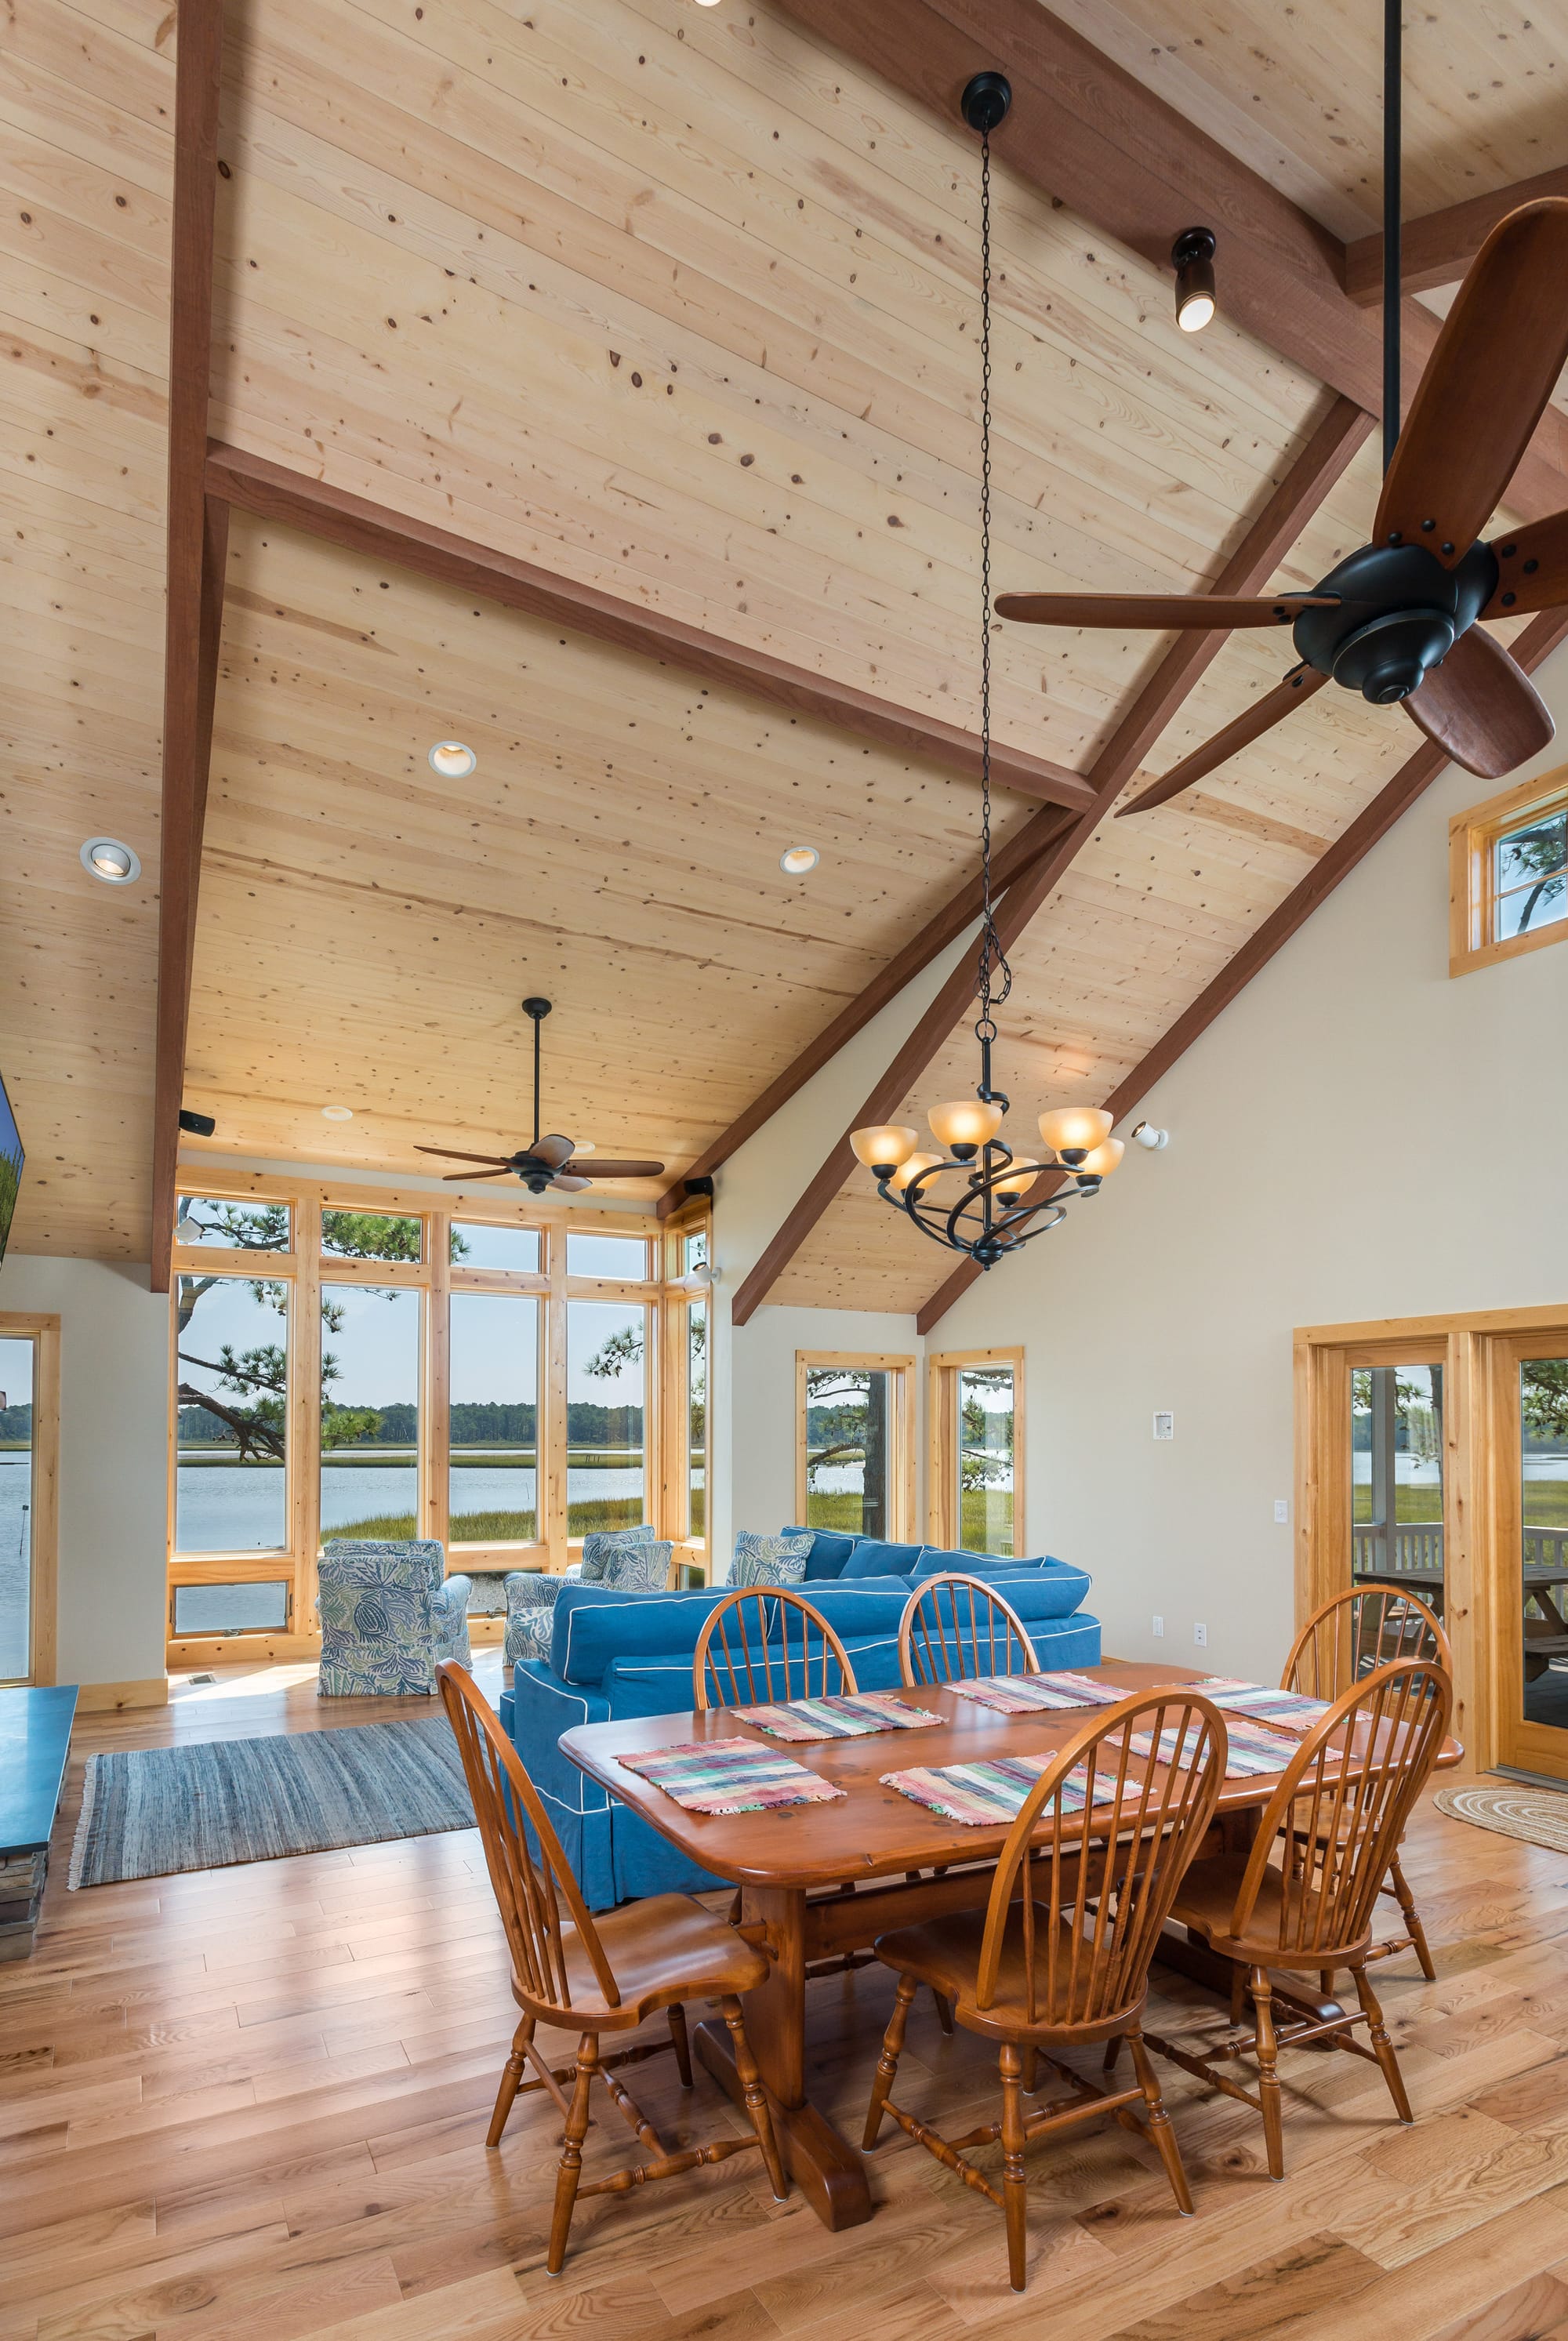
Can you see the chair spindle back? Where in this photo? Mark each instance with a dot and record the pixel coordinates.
(763, 1643)
(1341, 1807)
(1353, 1634)
(955, 1627)
(1115, 1895)
(534, 1897)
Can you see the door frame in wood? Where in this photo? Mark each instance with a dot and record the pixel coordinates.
(42, 1612)
(1478, 1560)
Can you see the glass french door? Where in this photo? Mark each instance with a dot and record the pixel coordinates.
(1397, 1437)
(1529, 1413)
(18, 1504)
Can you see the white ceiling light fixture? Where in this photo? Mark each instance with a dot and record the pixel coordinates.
(453, 759)
(106, 858)
(799, 860)
(338, 1113)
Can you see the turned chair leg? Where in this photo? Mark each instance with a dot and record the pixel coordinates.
(511, 2080)
(755, 2096)
(944, 2010)
(1160, 2129)
(571, 2169)
(1268, 2075)
(1238, 1992)
(887, 2063)
(1113, 2051)
(1382, 2046)
(1412, 1926)
(681, 2044)
(1014, 2194)
(1031, 2071)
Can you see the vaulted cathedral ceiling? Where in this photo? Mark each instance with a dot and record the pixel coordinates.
(678, 304)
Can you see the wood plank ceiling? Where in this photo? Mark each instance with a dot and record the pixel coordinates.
(680, 304)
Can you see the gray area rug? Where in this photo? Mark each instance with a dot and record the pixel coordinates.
(148, 1812)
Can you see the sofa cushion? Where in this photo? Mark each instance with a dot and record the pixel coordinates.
(829, 1552)
(873, 1557)
(770, 1559)
(594, 1624)
(1043, 1588)
(934, 1559)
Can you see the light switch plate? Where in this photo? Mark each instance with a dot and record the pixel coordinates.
(1165, 1426)
(1281, 1511)
(1157, 1628)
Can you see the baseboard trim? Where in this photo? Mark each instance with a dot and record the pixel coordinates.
(104, 1698)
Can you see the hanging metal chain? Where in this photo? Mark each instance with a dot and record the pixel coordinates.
(995, 977)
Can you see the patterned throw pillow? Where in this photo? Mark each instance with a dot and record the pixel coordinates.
(599, 1548)
(770, 1559)
(528, 1635)
(639, 1568)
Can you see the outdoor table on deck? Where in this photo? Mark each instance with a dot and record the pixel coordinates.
(870, 1838)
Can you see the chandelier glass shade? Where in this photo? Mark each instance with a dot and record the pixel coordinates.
(1000, 1199)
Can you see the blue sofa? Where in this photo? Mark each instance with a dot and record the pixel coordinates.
(617, 1654)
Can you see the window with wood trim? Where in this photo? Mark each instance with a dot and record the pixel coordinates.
(1508, 874)
(29, 1485)
(855, 1447)
(975, 1463)
(365, 1363)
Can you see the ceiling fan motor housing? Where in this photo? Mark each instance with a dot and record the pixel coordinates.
(1399, 613)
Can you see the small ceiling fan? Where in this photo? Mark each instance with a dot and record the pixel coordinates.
(545, 1162)
(1396, 620)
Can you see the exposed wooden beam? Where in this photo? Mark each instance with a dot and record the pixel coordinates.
(1083, 131)
(194, 614)
(1414, 776)
(1329, 449)
(1438, 249)
(274, 493)
(1009, 865)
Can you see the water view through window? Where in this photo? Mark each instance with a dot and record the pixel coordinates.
(369, 1410)
(606, 1485)
(849, 1438)
(493, 1480)
(985, 1431)
(15, 1508)
(231, 1488)
(1396, 1479)
(1544, 1521)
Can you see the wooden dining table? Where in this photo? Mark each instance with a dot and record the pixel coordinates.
(821, 1881)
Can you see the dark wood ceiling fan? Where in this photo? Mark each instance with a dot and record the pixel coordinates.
(1397, 620)
(547, 1161)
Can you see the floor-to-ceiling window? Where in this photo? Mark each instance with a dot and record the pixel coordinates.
(497, 1383)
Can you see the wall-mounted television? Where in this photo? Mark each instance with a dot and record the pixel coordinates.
(10, 1166)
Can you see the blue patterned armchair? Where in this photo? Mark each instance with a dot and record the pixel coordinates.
(389, 1614)
(635, 1559)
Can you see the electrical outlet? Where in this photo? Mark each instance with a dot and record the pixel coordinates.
(1201, 1635)
(1281, 1511)
(1157, 1628)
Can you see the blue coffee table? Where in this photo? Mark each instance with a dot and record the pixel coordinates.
(35, 1742)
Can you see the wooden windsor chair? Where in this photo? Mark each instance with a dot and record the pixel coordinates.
(955, 1627)
(1303, 1897)
(1060, 1956)
(739, 1662)
(1371, 1626)
(588, 1976)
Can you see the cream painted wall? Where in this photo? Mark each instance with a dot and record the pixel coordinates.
(754, 1364)
(1358, 1136)
(113, 1458)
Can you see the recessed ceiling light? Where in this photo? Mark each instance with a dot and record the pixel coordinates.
(338, 1113)
(799, 860)
(585, 1146)
(452, 760)
(106, 858)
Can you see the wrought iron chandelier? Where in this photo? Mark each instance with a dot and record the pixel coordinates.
(997, 1208)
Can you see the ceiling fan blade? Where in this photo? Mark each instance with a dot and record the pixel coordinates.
(456, 1154)
(623, 1170)
(554, 1150)
(1273, 707)
(1501, 348)
(568, 1185)
(1532, 568)
(1482, 707)
(1128, 611)
(449, 1177)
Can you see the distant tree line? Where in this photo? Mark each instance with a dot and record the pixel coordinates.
(16, 1422)
(473, 1424)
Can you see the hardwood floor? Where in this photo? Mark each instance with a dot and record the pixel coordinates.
(249, 2105)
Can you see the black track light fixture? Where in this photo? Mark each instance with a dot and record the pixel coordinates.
(1192, 258)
